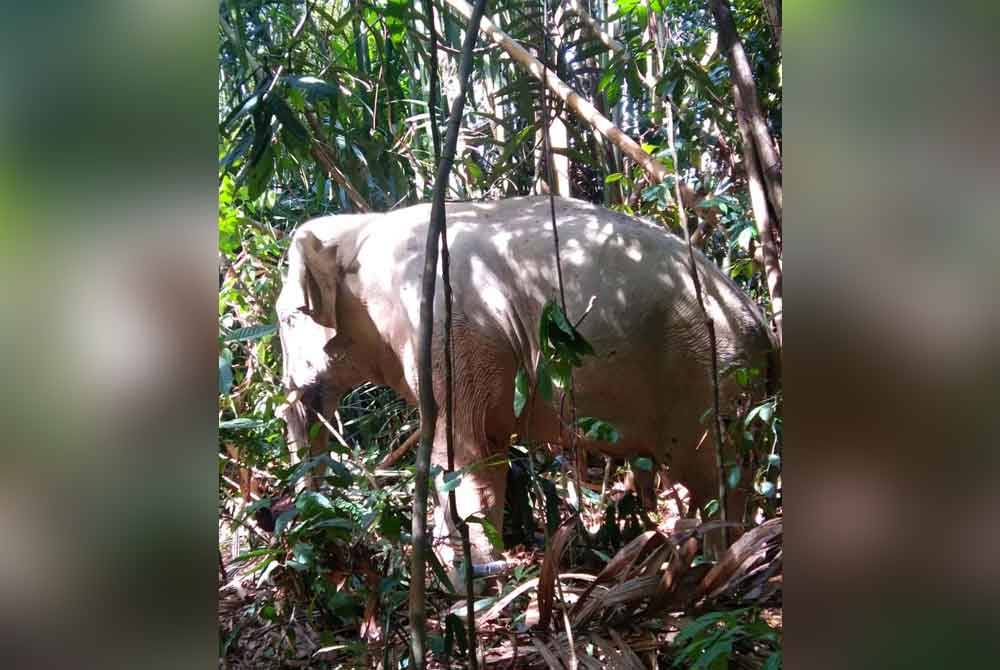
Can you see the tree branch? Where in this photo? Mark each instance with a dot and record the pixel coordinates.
(320, 152)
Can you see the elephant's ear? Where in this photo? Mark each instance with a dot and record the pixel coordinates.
(319, 276)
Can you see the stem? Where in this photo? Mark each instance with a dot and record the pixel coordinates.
(562, 295)
(433, 96)
(428, 406)
(709, 324)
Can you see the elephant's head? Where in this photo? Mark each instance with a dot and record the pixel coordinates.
(307, 324)
(307, 311)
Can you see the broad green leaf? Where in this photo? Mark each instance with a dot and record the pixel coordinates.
(560, 319)
(613, 177)
(475, 172)
(285, 518)
(259, 174)
(596, 429)
(303, 553)
(544, 380)
(733, 476)
(390, 525)
(310, 502)
(520, 391)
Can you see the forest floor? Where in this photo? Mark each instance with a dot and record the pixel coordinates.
(268, 616)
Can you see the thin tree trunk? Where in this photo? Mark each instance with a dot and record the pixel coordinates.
(765, 229)
(745, 98)
(428, 406)
(773, 8)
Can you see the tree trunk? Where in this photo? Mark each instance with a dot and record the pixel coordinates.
(763, 165)
(765, 229)
(773, 8)
(745, 98)
(428, 406)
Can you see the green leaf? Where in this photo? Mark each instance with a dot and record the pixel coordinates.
(643, 463)
(733, 476)
(303, 553)
(390, 525)
(251, 333)
(450, 481)
(311, 502)
(240, 424)
(773, 661)
(596, 429)
(259, 174)
(544, 379)
(613, 177)
(711, 507)
(610, 83)
(239, 148)
(520, 391)
(225, 371)
(336, 522)
(475, 172)
(289, 120)
(560, 319)
(314, 88)
(283, 520)
(491, 532)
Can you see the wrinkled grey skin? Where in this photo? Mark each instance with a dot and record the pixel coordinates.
(349, 313)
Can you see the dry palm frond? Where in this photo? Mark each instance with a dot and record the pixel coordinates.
(550, 566)
(624, 613)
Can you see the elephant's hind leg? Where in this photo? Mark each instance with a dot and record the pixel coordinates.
(480, 493)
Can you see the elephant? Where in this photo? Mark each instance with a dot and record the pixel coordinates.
(349, 313)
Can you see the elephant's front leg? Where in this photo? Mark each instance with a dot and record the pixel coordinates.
(480, 493)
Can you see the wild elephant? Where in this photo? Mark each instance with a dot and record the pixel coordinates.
(349, 313)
